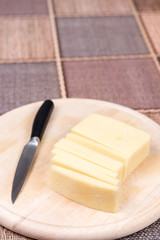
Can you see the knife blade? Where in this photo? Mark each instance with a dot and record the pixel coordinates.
(28, 153)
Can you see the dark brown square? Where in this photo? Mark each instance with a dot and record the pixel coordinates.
(152, 24)
(24, 83)
(131, 82)
(147, 5)
(100, 36)
(22, 7)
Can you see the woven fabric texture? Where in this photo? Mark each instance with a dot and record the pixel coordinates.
(100, 49)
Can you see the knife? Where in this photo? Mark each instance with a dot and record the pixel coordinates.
(28, 153)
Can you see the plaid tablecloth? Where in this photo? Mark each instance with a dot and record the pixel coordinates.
(99, 49)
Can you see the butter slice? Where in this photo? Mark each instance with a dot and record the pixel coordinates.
(69, 161)
(84, 190)
(120, 139)
(111, 167)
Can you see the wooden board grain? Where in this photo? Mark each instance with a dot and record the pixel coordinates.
(43, 214)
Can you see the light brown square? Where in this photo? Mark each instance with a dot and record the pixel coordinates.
(91, 7)
(152, 24)
(25, 38)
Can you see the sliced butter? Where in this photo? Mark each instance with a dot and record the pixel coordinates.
(69, 161)
(111, 167)
(84, 190)
(132, 144)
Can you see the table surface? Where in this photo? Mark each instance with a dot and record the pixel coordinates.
(99, 49)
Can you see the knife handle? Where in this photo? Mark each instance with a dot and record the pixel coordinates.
(41, 119)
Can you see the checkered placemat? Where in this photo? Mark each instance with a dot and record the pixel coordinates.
(99, 49)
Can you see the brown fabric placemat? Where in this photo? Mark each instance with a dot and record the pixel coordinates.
(101, 49)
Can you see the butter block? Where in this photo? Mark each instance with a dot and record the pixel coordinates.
(120, 139)
(111, 167)
(69, 161)
(84, 190)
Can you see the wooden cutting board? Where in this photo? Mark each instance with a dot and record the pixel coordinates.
(43, 214)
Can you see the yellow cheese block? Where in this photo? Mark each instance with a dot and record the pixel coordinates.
(117, 136)
(84, 190)
(67, 160)
(111, 167)
(96, 147)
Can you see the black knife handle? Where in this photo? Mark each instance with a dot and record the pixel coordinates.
(41, 119)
